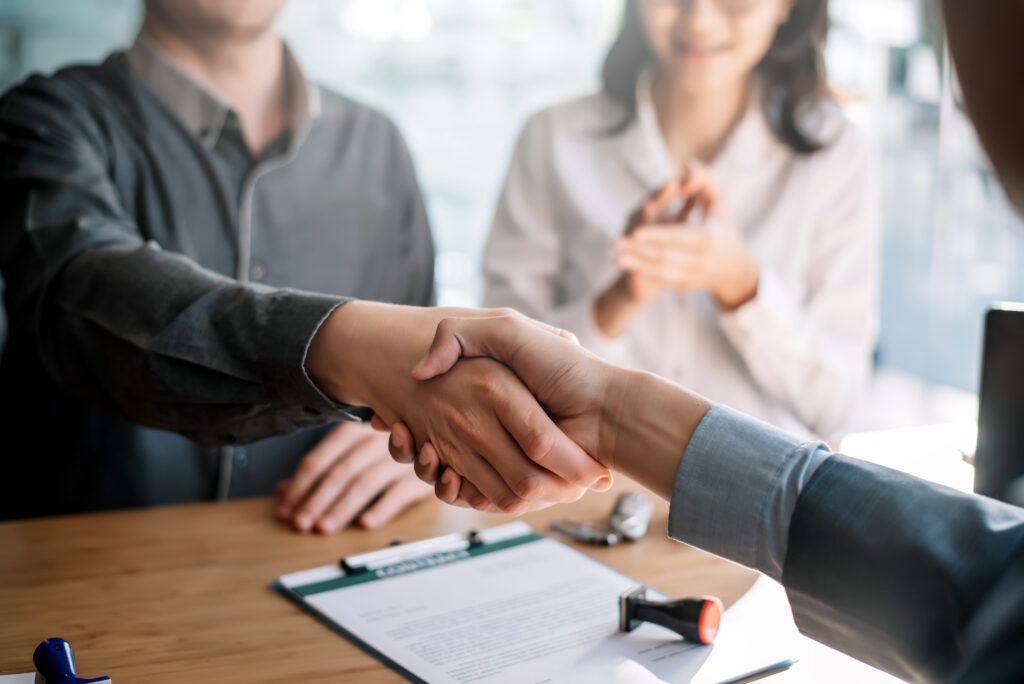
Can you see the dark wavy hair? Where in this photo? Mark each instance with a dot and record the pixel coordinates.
(792, 71)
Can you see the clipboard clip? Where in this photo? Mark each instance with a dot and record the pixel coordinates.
(397, 553)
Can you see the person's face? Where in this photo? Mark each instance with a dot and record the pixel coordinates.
(228, 18)
(704, 45)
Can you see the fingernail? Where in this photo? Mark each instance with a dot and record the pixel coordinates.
(303, 522)
(397, 441)
(368, 521)
(328, 526)
(603, 484)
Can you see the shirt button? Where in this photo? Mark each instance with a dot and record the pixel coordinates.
(257, 272)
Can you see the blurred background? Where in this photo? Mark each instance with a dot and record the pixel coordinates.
(461, 76)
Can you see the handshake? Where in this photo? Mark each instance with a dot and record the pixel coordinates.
(498, 411)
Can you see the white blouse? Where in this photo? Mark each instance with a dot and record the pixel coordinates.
(799, 354)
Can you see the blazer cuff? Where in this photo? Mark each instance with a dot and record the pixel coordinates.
(737, 486)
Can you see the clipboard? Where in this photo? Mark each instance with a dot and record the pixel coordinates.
(504, 605)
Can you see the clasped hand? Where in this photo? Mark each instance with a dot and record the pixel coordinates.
(685, 238)
(575, 387)
(479, 415)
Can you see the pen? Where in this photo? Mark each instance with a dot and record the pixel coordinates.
(762, 673)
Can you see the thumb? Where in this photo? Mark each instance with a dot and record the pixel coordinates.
(495, 336)
(444, 352)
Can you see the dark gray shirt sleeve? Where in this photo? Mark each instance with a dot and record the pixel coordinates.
(149, 334)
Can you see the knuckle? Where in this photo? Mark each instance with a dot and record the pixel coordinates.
(478, 501)
(530, 487)
(542, 443)
(464, 423)
(513, 505)
(311, 465)
(367, 482)
(446, 327)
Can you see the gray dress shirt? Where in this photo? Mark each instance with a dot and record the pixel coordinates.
(162, 284)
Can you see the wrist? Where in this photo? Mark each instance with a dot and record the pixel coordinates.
(740, 289)
(616, 306)
(358, 350)
(647, 423)
(330, 368)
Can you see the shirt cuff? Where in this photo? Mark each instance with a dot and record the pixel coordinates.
(294, 319)
(773, 305)
(737, 487)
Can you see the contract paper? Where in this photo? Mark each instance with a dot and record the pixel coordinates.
(523, 608)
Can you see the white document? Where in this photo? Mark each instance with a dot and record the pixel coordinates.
(517, 608)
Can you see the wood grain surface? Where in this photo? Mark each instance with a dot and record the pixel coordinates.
(182, 593)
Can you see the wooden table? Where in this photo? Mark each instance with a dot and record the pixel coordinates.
(181, 594)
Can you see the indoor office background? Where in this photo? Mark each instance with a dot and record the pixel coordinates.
(460, 77)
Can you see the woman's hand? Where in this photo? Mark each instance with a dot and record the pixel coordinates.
(710, 256)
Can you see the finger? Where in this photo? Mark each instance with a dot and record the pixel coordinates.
(489, 459)
(334, 483)
(448, 486)
(699, 182)
(490, 482)
(378, 424)
(659, 203)
(666, 237)
(676, 273)
(367, 486)
(684, 214)
(400, 495)
(427, 464)
(468, 493)
(401, 444)
(564, 471)
(317, 462)
(649, 260)
(495, 337)
(650, 256)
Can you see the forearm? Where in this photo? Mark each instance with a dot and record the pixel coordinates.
(363, 344)
(170, 345)
(646, 427)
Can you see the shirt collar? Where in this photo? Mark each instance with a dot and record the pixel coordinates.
(750, 142)
(200, 110)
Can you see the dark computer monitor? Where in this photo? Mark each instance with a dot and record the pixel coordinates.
(999, 458)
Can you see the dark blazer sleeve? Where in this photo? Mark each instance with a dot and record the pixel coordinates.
(899, 572)
(148, 334)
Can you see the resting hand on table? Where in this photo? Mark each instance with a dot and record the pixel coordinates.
(349, 476)
(478, 414)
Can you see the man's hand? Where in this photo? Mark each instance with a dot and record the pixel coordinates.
(477, 415)
(628, 421)
(348, 477)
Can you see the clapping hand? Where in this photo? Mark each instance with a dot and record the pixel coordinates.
(687, 239)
